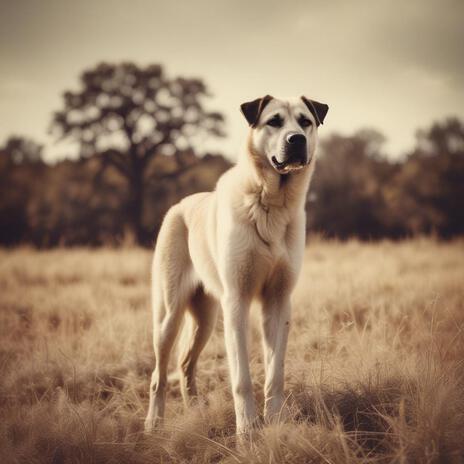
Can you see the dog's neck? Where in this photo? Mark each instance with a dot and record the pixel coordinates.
(275, 190)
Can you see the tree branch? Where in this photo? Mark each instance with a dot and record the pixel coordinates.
(172, 174)
(116, 159)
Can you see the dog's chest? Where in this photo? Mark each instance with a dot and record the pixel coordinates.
(270, 226)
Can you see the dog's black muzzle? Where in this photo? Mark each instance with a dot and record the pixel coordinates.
(294, 154)
(295, 149)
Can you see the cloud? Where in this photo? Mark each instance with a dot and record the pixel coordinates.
(426, 35)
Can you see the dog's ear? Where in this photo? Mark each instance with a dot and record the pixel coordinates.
(318, 110)
(252, 110)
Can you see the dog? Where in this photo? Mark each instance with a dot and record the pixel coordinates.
(243, 241)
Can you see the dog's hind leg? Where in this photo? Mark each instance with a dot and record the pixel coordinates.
(202, 319)
(171, 290)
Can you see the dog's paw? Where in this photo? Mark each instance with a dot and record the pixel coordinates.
(247, 433)
(150, 424)
(276, 410)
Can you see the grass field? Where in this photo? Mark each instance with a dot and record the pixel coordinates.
(374, 364)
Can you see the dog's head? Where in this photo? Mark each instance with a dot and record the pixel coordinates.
(284, 132)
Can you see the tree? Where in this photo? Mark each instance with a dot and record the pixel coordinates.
(428, 192)
(129, 115)
(347, 197)
(20, 169)
(18, 149)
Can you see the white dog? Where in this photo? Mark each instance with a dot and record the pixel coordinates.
(224, 248)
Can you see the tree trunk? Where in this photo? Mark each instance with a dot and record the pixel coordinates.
(136, 202)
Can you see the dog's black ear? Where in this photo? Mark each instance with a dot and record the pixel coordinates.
(252, 110)
(318, 110)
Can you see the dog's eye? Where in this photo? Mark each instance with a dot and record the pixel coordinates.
(304, 122)
(275, 121)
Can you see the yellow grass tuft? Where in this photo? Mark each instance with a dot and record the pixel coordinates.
(374, 365)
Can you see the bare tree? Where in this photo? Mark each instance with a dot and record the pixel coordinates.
(130, 114)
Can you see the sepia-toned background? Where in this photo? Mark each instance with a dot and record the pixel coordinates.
(111, 111)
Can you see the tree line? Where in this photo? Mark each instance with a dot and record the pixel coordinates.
(358, 191)
(137, 127)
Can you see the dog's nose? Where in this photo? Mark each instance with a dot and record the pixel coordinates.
(296, 139)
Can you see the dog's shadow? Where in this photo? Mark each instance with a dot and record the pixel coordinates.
(364, 412)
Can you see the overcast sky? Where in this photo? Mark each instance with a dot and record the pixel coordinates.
(391, 65)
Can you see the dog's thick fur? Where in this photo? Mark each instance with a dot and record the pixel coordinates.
(224, 248)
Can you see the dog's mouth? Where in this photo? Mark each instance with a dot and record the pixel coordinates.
(288, 166)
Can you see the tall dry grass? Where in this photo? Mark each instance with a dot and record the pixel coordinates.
(374, 365)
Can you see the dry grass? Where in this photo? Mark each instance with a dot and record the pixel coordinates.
(374, 371)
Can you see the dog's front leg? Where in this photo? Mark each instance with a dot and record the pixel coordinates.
(276, 325)
(235, 332)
